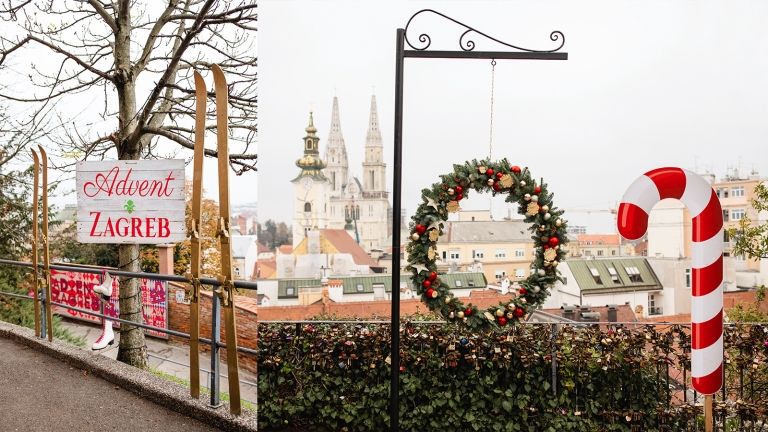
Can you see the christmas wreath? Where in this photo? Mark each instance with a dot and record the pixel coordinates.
(535, 203)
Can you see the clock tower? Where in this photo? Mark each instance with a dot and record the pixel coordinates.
(311, 188)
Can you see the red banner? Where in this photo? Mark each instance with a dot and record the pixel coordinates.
(76, 289)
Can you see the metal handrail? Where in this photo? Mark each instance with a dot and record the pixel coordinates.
(154, 276)
(133, 323)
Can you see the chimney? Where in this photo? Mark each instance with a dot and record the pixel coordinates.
(612, 313)
(569, 312)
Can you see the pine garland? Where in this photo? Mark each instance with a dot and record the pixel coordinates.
(534, 201)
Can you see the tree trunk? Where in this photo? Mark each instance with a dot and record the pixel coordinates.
(132, 349)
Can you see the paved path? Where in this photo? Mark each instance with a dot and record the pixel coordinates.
(40, 393)
(169, 358)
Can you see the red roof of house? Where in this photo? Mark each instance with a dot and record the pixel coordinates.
(264, 269)
(285, 249)
(262, 248)
(598, 239)
(341, 240)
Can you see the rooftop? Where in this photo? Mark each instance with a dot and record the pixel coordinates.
(515, 231)
(614, 275)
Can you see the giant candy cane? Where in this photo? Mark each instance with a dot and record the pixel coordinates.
(707, 260)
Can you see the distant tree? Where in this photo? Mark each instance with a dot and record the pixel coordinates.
(273, 234)
(283, 235)
(132, 62)
(748, 239)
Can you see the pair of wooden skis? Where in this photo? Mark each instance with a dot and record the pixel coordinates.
(226, 291)
(42, 282)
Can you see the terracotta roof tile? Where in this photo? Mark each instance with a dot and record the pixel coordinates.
(341, 240)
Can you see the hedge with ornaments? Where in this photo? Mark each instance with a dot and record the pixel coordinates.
(534, 201)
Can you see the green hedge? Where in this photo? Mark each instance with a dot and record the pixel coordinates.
(336, 378)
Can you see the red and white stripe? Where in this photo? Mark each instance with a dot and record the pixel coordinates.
(707, 259)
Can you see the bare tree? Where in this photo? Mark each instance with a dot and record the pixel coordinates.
(122, 81)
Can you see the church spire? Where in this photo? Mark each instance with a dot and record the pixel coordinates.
(373, 138)
(310, 163)
(336, 152)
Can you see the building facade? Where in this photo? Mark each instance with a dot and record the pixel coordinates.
(329, 196)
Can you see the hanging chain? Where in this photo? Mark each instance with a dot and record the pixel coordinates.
(490, 133)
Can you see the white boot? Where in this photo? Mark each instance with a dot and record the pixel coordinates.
(105, 289)
(107, 336)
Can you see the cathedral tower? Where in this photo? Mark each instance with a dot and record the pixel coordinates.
(336, 154)
(311, 188)
(374, 168)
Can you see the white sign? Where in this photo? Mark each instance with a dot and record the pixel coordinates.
(131, 201)
(181, 296)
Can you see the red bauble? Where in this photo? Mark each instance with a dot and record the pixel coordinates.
(553, 241)
(426, 284)
(537, 190)
(496, 187)
(459, 197)
(499, 175)
(468, 312)
(432, 276)
(430, 293)
(502, 321)
(420, 229)
(519, 312)
(546, 246)
(516, 169)
(458, 190)
(523, 291)
(489, 172)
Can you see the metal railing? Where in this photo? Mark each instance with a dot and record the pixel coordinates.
(214, 343)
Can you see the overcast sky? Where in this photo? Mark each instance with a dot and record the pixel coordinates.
(647, 84)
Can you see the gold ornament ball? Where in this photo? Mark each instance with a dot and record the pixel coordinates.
(527, 197)
(522, 183)
(535, 198)
(545, 208)
(559, 222)
(499, 312)
(450, 191)
(490, 182)
(460, 314)
(541, 272)
(547, 216)
(510, 315)
(414, 236)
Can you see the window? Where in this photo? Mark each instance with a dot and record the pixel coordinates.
(725, 215)
(237, 271)
(471, 283)
(500, 274)
(290, 291)
(613, 252)
(443, 254)
(722, 192)
(357, 212)
(519, 253)
(359, 287)
(726, 236)
(600, 252)
(614, 275)
(596, 275)
(737, 214)
(501, 253)
(519, 273)
(333, 180)
(478, 254)
(737, 191)
(370, 210)
(307, 207)
(687, 278)
(453, 255)
(634, 274)
(587, 252)
(457, 283)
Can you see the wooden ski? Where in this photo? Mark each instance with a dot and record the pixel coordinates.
(46, 254)
(227, 289)
(35, 258)
(201, 93)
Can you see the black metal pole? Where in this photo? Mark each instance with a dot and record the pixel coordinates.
(215, 361)
(394, 388)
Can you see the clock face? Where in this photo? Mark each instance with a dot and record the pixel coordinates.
(306, 182)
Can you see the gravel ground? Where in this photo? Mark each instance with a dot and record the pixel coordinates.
(41, 393)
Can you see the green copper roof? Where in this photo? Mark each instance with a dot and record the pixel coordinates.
(364, 284)
(614, 275)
